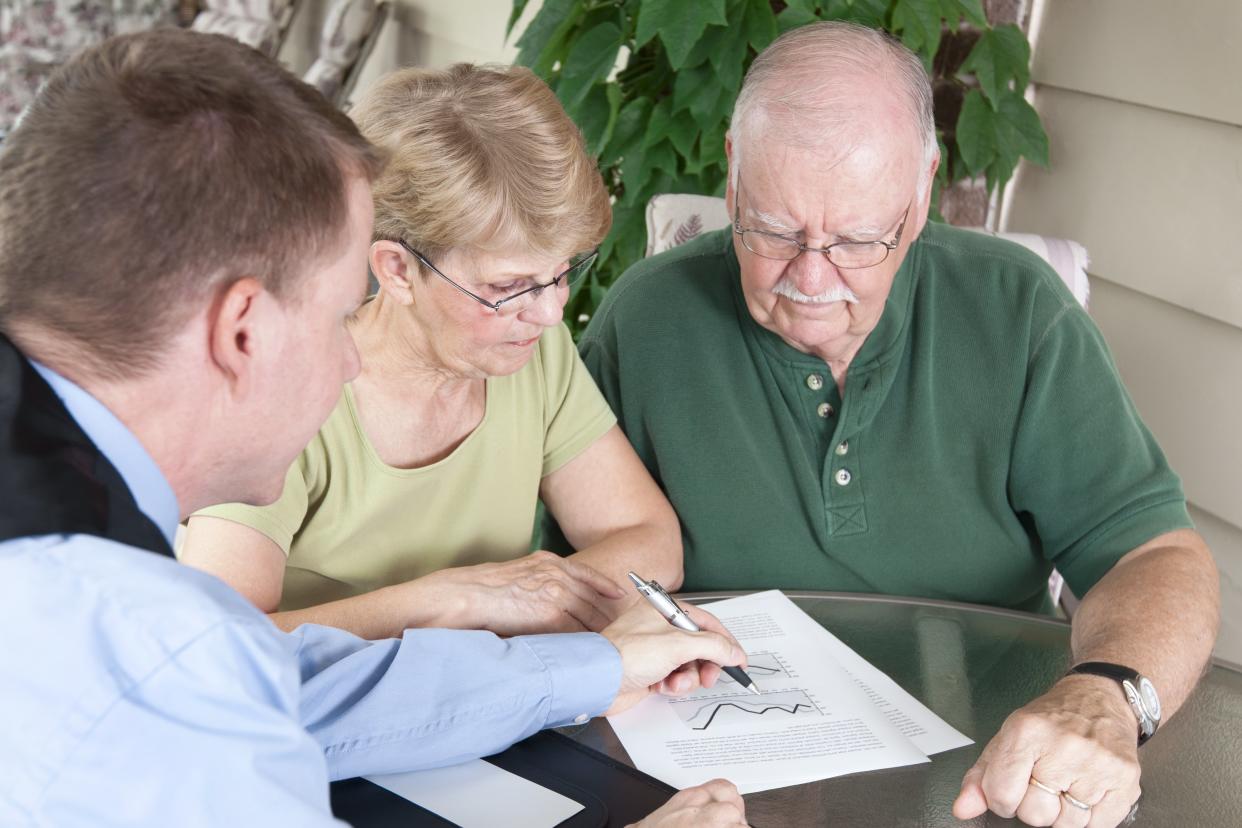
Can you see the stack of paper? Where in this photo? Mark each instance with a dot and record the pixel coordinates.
(823, 712)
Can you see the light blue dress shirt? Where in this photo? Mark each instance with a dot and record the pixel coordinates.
(136, 691)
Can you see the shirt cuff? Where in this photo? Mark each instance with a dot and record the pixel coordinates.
(584, 671)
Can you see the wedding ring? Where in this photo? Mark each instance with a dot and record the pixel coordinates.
(1044, 787)
(1077, 803)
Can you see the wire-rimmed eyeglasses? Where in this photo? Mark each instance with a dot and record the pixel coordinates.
(847, 255)
(527, 290)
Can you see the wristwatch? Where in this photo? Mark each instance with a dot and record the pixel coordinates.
(1140, 693)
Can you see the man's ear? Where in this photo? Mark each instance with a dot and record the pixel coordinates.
(392, 269)
(924, 208)
(235, 335)
(729, 193)
(931, 181)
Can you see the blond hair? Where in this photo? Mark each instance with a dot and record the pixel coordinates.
(482, 157)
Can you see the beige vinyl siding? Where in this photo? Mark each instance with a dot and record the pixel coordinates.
(1181, 57)
(1143, 108)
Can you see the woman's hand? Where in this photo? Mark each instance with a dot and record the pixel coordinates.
(714, 804)
(540, 593)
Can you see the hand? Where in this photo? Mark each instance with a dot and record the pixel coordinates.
(714, 804)
(656, 656)
(539, 593)
(1080, 737)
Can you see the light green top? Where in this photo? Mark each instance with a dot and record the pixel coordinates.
(351, 523)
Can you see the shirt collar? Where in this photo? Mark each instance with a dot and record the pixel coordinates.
(142, 476)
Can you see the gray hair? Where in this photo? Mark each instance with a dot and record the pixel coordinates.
(821, 54)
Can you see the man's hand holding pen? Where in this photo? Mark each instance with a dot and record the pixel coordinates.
(658, 657)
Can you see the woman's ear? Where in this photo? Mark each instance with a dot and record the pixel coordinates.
(395, 270)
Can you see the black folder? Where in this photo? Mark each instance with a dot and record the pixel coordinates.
(612, 794)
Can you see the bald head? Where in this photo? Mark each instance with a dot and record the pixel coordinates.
(829, 86)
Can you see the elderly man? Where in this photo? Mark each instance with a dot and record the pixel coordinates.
(183, 233)
(836, 394)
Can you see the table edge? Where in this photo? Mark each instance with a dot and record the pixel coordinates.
(868, 598)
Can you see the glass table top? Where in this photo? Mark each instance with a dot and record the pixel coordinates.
(973, 666)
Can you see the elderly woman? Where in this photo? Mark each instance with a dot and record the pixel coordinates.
(414, 504)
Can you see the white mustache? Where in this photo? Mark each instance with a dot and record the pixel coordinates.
(839, 293)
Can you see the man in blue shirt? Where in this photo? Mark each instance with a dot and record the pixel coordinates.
(183, 235)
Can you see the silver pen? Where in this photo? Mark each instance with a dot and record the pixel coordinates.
(675, 615)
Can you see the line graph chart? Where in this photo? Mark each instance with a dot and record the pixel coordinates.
(759, 666)
(743, 709)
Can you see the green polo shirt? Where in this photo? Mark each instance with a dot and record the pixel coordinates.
(984, 436)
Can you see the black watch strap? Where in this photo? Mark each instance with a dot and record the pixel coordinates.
(1106, 669)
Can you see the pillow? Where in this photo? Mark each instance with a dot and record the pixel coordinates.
(263, 35)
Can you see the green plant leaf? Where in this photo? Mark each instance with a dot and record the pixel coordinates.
(692, 86)
(590, 59)
(759, 23)
(537, 45)
(679, 24)
(519, 6)
(596, 116)
(792, 18)
(1001, 55)
(976, 132)
(597, 294)
(806, 6)
(729, 56)
(710, 43)
(660, 123)
(711, 145)
(1019, 128)
(871, 13)
(627, 135)
(683, 131)
(971, 10)
(918, 23)
(991, 142)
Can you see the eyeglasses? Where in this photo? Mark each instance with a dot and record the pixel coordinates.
(846, 255)
(515, 297)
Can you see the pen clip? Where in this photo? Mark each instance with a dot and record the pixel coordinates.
(655, 587)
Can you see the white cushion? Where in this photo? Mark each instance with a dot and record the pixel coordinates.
(263, 35)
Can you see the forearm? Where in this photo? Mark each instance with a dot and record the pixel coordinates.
(652, 549)
(383, 613)
(437, 697)
(1156, 611)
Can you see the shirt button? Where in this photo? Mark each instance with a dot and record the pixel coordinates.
(582, 719)
(824, 410)
(843, 477)
(843, 448)
(814, 382)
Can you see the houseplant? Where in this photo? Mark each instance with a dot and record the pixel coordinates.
(658, 123)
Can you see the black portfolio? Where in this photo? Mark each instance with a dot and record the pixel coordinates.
(612, 794)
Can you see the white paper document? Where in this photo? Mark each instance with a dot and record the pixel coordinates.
(478, 794)
(824, 711)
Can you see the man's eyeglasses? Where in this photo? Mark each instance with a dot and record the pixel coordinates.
(847, 255)
(512, 298)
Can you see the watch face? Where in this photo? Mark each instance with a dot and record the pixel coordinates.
(1151, 702)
